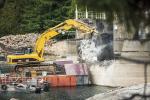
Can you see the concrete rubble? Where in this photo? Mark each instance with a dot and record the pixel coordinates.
(89, 51)
(16, 42)
(124, 93)
(19, 41)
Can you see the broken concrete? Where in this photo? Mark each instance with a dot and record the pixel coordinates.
(19, 41)
(14, 42)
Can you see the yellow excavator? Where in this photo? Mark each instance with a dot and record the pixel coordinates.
(36, 56)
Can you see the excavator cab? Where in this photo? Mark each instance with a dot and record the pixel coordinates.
(27, 50)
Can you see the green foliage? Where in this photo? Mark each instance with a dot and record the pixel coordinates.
(25, 16)
(2, 2)
(10, 17)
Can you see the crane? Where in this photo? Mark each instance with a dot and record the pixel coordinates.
(37, 54)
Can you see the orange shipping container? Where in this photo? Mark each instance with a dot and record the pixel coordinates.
(53, 80)
(63, 80)
(73, 81)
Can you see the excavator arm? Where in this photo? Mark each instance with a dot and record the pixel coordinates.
(50, 33)
(37, 55)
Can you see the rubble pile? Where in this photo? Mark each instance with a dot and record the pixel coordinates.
(19, 41)
(16, 42)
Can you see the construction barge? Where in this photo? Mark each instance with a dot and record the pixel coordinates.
(59, 74)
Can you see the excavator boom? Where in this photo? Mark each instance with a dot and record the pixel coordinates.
(50, 33)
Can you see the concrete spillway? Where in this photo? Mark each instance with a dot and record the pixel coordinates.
(122, 72)
(119, 73)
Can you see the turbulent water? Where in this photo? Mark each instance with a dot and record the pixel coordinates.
(89, 51)
(99, 48)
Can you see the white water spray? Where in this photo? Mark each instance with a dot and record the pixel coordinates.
(89, 51)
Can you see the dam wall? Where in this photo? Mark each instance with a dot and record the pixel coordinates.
(124, 72)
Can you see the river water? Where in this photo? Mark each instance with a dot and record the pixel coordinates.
(61, 93)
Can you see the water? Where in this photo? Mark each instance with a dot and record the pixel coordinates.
(61, 93)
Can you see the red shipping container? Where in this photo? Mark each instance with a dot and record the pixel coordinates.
(73, 81)
(63, 80)
(53, 80)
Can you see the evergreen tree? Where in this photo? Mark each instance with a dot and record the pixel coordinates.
(10, 17)
(39, 15)
(25, 16)
(2, 2)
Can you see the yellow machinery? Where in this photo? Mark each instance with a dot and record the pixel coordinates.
(37, 54)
